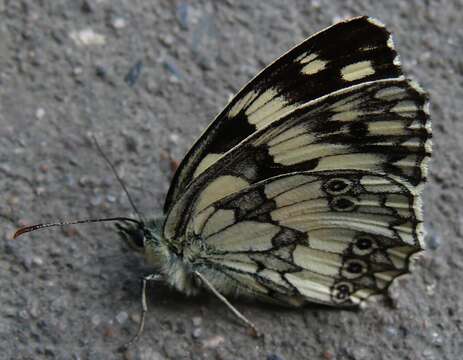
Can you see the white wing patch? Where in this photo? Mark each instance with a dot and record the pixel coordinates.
(267, 108)
(312, 285)
(244, 236)
(357, 71)
(314, 67)
(218, 189)
(208, 160)
(243, 103)
(320, 262)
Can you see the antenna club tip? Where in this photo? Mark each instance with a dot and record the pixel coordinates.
(19, 232)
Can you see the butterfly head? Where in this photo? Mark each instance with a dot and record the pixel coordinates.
(134, 235)
(143, 237)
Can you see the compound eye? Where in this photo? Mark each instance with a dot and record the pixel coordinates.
(138, 238)
(134, 236)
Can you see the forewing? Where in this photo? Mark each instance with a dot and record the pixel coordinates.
(381, 126)
(345, 54)
(333, 237)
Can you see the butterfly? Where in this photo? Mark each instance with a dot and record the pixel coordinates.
(306, 188)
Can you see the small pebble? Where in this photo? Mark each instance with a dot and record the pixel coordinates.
(122, 317)
(167, 40)
(77, 71)
(96, 200)
(38, 261)
(315, 4)
(436, 339)
(31, 261)
(118, 23)
(39, 190)
(197, 332)
(96, 320)
(391, 331)
(85, 181)
(23, 314)
(430, 289)
(174, 138)
(111, 198)
(87, 37)
(43, 168)
(40, 113)
(34, 308)
(213, 342)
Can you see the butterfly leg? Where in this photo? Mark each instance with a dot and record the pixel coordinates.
(227, 303)
(144, 307)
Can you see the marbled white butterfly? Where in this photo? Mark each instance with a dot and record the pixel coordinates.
(306, 187)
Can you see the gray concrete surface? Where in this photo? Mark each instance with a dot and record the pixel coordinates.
(73, 293)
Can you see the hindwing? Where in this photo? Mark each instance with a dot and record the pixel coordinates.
(334, 237)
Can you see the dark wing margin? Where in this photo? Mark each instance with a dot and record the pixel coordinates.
(345, 54)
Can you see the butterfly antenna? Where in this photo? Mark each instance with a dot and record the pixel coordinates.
(103, 155)
(26, 229)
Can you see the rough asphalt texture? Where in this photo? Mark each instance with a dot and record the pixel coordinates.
(73, 293)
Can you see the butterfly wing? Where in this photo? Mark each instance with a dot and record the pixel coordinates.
(332, 237)
(307, 186)
(345, 54)
(380, 126)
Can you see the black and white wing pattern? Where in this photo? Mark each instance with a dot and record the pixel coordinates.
(345, 54)
(333, 237)
(380, 126)
(308, 185)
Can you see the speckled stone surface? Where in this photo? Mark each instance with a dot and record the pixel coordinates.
(69, 69)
